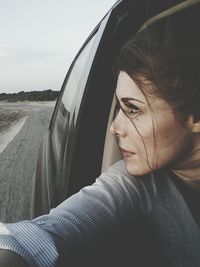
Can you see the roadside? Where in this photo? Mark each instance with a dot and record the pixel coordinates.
(13, 116)
(9, 133)
(9, 117)
(18, 158)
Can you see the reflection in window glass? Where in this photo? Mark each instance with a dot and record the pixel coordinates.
(73, 93)
(78, 76)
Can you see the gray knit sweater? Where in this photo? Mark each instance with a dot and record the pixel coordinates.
(120, 220)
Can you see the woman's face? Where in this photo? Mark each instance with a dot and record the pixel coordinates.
(149, 134)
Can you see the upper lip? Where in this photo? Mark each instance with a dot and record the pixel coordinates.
(123, 150)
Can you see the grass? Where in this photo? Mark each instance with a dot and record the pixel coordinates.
(9, 117)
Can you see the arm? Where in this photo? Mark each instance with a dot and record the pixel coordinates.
(80, 221)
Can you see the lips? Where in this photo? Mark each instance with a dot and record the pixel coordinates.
(126, 153)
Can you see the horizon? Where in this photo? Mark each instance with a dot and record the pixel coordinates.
(29, 91)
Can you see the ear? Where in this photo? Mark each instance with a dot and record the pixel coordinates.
(194, 124)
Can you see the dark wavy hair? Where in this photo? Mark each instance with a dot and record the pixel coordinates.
(167, 55)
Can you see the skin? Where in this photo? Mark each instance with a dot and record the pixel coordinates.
(149, 133)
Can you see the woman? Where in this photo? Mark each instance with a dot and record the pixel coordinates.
(144, 210)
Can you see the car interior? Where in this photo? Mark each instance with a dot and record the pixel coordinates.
(111, 152)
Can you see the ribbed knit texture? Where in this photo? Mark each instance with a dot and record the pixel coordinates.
(89, 216)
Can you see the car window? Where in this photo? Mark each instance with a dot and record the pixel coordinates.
(73, 91)
(78, 75)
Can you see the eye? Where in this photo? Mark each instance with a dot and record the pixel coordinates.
(131, 110)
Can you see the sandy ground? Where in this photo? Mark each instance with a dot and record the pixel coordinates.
(7, 136)
(39, 103)
(19, 146)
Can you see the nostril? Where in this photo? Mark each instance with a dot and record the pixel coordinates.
(114, 128)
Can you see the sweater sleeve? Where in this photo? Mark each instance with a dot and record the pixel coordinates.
(80, 220)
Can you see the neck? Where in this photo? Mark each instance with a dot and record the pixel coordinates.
(190, 177)
(189, 168)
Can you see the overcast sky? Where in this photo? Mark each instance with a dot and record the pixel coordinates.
(39, 39)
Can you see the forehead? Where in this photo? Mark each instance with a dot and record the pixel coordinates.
(126, 87)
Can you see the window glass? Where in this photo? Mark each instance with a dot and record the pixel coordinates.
(73, 91)
(78, 76)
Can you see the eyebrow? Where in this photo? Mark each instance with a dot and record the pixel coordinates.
(126, 99)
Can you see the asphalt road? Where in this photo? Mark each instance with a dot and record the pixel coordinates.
(17, 164)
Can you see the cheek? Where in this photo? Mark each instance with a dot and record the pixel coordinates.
(168, 134)
(145, 129)
(142, 135)
(171, 139)
(157, 141)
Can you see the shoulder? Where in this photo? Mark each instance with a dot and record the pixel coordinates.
(117, 177)
(117, 174)
(118, 181)
(134, 190)
(146, 189)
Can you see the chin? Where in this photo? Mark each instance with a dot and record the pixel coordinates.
(136, 170)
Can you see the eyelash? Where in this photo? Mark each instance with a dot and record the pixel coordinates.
(132, 111)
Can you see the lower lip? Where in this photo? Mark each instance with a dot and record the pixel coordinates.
(127, 155)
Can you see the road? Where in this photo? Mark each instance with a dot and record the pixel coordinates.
(17, 163)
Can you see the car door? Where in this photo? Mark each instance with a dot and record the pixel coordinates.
(71, 153)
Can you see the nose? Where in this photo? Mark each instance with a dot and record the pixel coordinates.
(117, 127)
